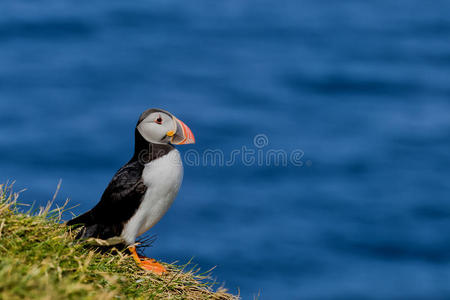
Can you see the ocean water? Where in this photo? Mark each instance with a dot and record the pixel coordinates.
(342, 109)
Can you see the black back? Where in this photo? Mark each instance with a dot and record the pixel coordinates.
(123, 195)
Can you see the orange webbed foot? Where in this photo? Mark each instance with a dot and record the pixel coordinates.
(147, 264)
(153, 267)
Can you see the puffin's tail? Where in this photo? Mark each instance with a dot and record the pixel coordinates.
(90, 228)
(85, 221)
(82, 220)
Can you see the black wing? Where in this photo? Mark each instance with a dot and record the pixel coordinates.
(119, 202)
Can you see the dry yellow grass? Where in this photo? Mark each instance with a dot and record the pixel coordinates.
(39, 259)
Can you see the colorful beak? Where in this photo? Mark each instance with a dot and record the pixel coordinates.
(183, 135)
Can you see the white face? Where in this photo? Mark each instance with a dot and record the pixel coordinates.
(154, 127)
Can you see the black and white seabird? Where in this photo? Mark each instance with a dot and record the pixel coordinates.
(142, 191)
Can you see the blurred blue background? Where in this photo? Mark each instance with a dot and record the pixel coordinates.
(362, 88)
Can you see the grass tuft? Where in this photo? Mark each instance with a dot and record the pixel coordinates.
(39, 259)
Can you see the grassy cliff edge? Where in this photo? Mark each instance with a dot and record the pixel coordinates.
(40, 260)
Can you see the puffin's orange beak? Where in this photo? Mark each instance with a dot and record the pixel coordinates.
(182, 135)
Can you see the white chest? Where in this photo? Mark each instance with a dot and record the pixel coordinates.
(163, 177)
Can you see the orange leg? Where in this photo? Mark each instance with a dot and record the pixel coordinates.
(147, 264)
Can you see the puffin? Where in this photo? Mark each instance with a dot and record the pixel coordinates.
(142, 190)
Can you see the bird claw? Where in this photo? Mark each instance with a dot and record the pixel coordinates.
(153, 266)
(148, 264)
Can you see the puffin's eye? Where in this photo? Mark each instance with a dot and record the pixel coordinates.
(158, 120)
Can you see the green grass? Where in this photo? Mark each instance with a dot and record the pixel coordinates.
(39, 259)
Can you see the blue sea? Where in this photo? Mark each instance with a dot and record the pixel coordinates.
(322, 164)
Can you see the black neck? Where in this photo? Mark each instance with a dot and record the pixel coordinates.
(145, 152)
